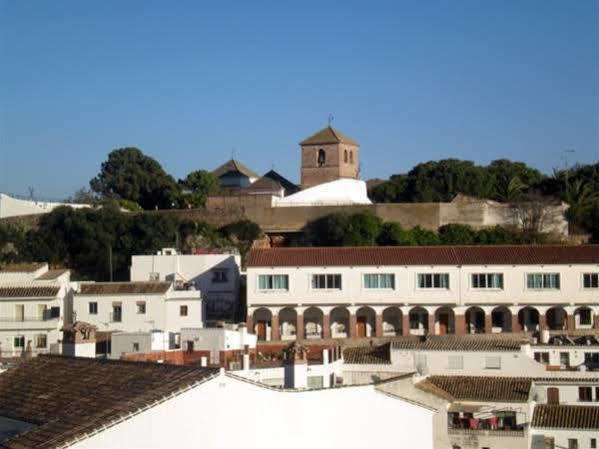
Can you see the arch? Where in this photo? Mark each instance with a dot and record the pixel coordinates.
(345, 156)
(262, 319)
(475, 320)
(557, 318)
(392, 321)
(339, 322)
(501, 320)
(288, 323)
(583, 318)
(322, 158)
(351, 157)
(313, 318)
(528, 318)
(365, 322)
(444, 321)
(418, 321)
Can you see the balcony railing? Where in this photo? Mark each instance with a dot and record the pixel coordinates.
(487, 432)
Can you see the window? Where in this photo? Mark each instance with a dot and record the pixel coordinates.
(542, 357)
(326, 281)
(117, 312)
(585, 394)
(487, 280)
(322, 158)
(93, 308)
(538, 281)
(41, 341)
(590, 280)
(345, 156)
(219, 277)
(493, 362)
(430, 280)
(572, 443)
(596, 394)
(182, 310)
(351, 157)
(41, 311)
(584, 316)
(141, 307)
(455, 362)
(54, 312)
(135, 347)
(273, 282)
(593, 443)
(564, 359)
(19, 342)
(19, 312)
(154, 277)
(384, 280)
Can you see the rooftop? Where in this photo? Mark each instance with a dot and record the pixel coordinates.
(50, 275)
(328, 135)
(377, 355)
(124, 288)
(29, 291)
(425, 255)
(460, 343)
(21, 267)
(234, 165)
(566, 417)
(478, 388)
(53, 392)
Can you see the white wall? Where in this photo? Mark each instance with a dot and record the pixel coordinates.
(562, 436)
(226, 412)
(13, 207)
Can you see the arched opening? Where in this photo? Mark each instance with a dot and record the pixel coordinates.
(262, 319)
(528, 317)
(365, 322)
(501, 320)
(475, 320)
(392, 321)
(339, 322)
(288, 323)
(444, 321)
(557, 319)
(583, 318)
(418, 321)
(322, 158)
(351, 157)
(345, 156)
(313, 322)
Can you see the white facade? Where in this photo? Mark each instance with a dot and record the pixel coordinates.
(227, 412)
(216, 276)
(14, 207)
(217, 339)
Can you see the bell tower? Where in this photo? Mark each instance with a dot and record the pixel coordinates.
(327, 156)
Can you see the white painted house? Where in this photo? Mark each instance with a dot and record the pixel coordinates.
(216, 276)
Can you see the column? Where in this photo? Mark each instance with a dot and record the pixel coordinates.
(352, 325)
(595, 320)
(378, 325)
(516, 327)
(488, 323)
(326, 325)
(275, 331)
(460, 324)
(571, 323)
(431, 323)
(542, 321)
(299, 326)
(405, 320)
(250, 323)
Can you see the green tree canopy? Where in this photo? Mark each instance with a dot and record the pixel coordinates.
(200, 184)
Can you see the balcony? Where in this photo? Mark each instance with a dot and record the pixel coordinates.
(487, 432)
(28, 322)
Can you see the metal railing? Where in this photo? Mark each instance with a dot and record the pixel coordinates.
(486, 432)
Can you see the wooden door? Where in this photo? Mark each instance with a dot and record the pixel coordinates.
(443, 323)
(361, 327)
(261, 330)
(552, 395)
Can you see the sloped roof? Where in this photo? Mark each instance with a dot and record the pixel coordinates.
(479, 388)
(287, 185)
(68, 397)
(566, 417)
(328, 135)
(28, 291)
(378, 355)
(51, 274)
(460, 343)
(21, 267)
(264, 185)
(124, 288)
(425, 255)
(234, 165)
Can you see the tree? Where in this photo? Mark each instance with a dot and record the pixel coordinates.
(363, 229)
(242, 234)
(200, 184)
(131, 175)
(512, 179)
(456, 234)
(392, 234)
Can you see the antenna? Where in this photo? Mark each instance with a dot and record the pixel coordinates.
(233, 153)
(330, 119)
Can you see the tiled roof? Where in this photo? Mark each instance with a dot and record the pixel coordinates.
(28, 291)
(124, 288)
(378, 355)
(264, 185)
(234, 165)
(460, 343)
(558, 380)
(328, 135)
(71, 397)
(289, 187)
(425, 255)
(51, 275)
(479, 388)
(566, 417)
(21, 267)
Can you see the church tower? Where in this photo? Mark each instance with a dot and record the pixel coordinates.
(327, 156)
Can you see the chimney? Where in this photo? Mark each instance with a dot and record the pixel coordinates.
(296, 366)
(246, 362)
(325, 356)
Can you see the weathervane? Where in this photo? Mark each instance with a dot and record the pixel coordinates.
(330, 119)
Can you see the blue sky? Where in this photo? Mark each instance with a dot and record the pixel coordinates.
(191, 82)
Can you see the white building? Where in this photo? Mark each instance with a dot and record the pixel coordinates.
(34, 305)
(565, 426)
(216, 276)
(14, 207)
(387, 291)
(137, 306)
(105, 403)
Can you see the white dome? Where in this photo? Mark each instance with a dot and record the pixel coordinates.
(339, 192)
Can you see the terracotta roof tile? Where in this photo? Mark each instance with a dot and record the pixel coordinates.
(51, 275)
(460, 343)
(28, 291)
(55, 392)
(378, 355)
(328, 135)
(234, 165)
(124, 288)
(425, 255)
(566, 417)
(479, 388)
